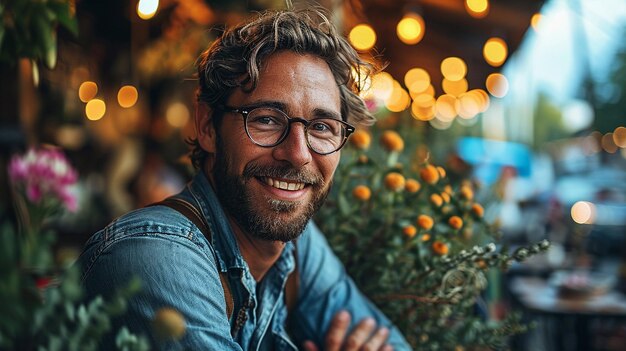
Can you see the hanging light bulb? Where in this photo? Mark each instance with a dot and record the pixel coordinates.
(411, 28)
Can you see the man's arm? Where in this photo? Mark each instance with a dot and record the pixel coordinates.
(175, 272)
(325, 290)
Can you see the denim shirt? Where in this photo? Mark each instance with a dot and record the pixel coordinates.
(180, 269)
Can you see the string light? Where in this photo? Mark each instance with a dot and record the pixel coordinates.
(417, 80)
(362, 37)
(535, 20)
(411, 28)
(87, 91)
(583, 212)
(497, 85)
(146, 9)
(477, 8)
(95, 109)
(453, 68)
(127, 96)
(495, 51)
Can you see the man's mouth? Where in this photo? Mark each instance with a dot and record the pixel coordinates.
(283, 185)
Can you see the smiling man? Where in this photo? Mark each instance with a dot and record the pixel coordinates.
(236, 252)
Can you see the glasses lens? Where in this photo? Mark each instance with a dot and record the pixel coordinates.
(265, 126)
(325, 135)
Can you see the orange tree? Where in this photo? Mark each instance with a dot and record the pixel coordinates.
(417, 245)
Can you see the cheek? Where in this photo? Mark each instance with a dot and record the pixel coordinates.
(328, 165)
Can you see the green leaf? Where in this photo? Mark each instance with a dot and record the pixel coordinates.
(64, 15)
(344, 205)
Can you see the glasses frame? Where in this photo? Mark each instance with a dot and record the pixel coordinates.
(244, 112)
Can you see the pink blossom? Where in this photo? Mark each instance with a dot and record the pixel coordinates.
(44, 173)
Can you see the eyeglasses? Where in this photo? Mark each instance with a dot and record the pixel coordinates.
(268, 127)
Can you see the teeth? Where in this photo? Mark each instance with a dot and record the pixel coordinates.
(284, 185)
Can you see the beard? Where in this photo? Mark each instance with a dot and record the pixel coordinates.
(268, 218)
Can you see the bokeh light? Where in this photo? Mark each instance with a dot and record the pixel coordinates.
(619, 137)
(417, 80)
(382, 86)
(362, 37)
(454, 87)
(423, 107)
(497, 85)
(453, 68)
(95, 109)
(477, 8)
(535, 20)
(445, 108)
(411, 29)
(177, 115)
(146, 9)
(495, 51)
(399, 99)
(127, 96)
(583, 212)
(87, 91)
(608, 144)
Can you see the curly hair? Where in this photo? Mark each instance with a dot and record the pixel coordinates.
(234, 59)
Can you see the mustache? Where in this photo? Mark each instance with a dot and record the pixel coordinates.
(252, 170)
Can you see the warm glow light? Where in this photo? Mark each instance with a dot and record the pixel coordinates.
(382, 85)
(477, 8)
(454, 87)
(177, 115)
(417, 80)
(468, 105)
(535, 20)
(453, 68)
(619, 137)
(423, 107)
(445, 108)
(362, 37)
(608, 144)
(95, 109)
(399, 99)
(495, 51)
(411, 29)
(87, 91)
(583, 212)
(146, 9)
(127, 96)
(497, 85)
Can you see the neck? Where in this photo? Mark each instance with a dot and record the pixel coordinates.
(260, 255)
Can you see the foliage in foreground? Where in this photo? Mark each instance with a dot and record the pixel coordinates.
(418, 246)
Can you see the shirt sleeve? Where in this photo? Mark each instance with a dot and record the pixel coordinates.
(175, 272)
(325, 289)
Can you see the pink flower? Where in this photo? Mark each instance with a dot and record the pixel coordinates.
(44, 173)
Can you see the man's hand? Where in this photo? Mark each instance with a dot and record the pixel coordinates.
(364, 336)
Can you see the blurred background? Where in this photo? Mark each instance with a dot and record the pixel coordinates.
(525, 97)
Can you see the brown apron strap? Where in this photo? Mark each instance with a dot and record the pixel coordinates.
(293, 284)
(192, 213)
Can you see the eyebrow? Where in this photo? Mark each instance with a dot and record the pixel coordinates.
(317, 112)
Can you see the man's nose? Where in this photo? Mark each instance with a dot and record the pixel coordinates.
(294, 149)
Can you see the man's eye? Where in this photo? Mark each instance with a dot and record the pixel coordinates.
(265, 120)
(320, 127)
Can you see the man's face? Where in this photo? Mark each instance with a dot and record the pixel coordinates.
(272, 192)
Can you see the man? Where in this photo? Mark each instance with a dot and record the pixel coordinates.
(275, 100)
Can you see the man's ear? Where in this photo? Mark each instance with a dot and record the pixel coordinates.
(204, 127)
